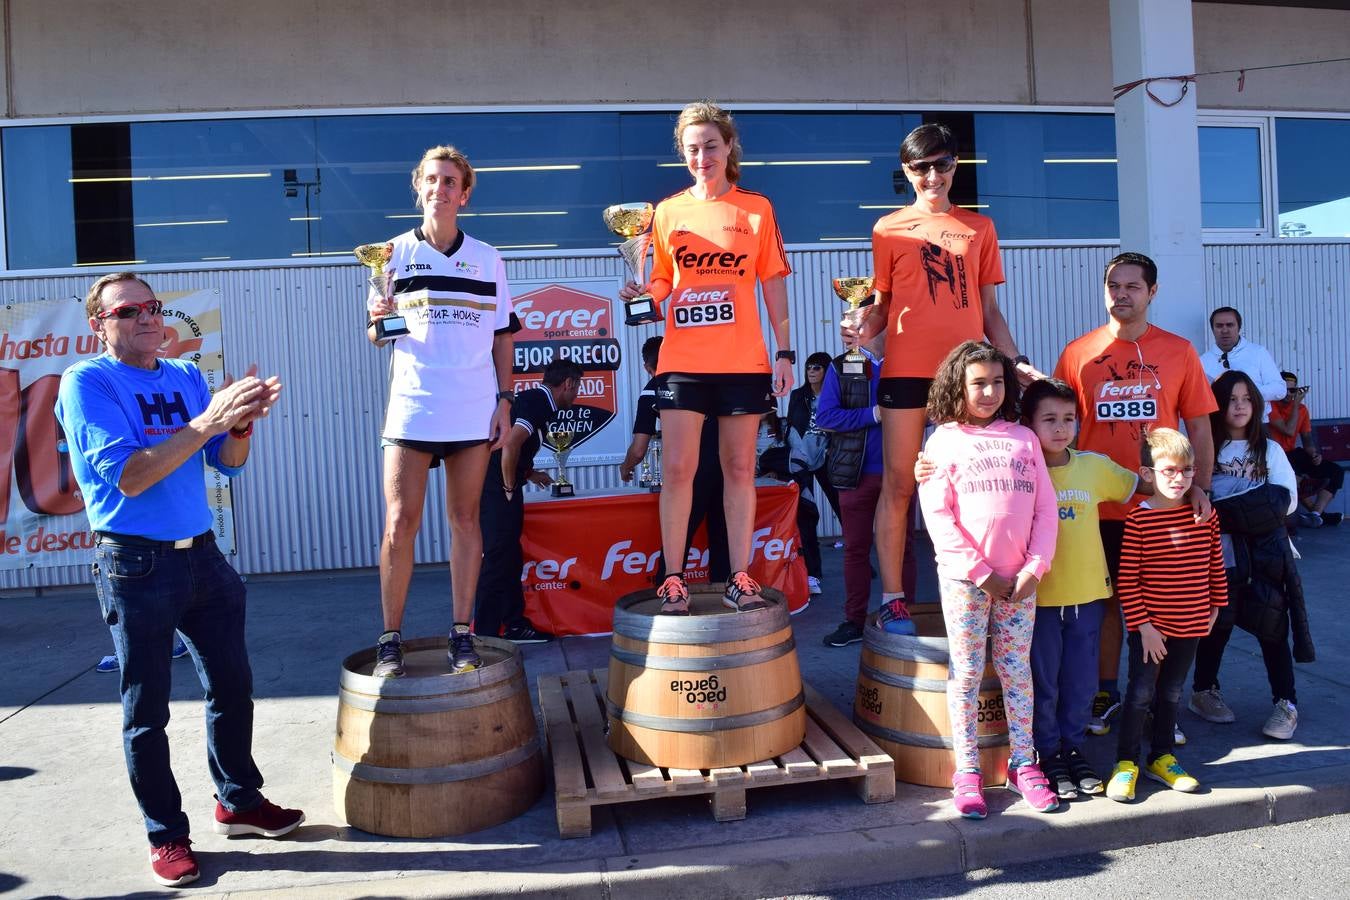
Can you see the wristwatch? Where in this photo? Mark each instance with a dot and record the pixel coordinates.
(789, 355)
(1021, 359)
(508, 396)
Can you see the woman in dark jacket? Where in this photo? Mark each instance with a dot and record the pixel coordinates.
(1253, 492)
(807, 445)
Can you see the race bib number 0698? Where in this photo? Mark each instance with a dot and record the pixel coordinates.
(705, 314)
(704, 306)
(1145, 410)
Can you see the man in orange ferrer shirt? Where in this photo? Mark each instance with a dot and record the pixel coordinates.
(936, 268)
(1130, 377)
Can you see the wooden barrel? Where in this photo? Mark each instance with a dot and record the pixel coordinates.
(434, 753)
(711, 689)
(901, 703)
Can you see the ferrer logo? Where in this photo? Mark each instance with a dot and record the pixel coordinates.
(473, 270)
(713, 262)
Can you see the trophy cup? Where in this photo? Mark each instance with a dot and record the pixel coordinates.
(853, 291)
(375, 257)
(631, 220)
(652, 464)
(561, 442)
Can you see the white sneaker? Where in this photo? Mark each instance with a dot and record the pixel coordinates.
(839, 545)
(1282, 722)
(813, 585)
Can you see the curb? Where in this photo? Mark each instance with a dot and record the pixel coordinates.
(940, 845)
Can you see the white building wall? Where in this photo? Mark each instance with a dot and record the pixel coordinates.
(74, 57)
(311, 498)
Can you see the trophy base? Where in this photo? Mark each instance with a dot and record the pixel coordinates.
(654, 488)
(390, 327)
(640, 311)
(854, 366)
(562, 489)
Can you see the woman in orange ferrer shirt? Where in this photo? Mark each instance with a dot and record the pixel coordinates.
(936, 268)
(711, 243)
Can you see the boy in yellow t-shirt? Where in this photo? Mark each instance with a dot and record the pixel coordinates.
(1069, 601)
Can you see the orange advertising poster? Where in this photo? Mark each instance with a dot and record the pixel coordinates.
(563, 322)
(582, 554)
(42, 520)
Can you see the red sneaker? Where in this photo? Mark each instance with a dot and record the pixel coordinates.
(268, 820)
(173, 864)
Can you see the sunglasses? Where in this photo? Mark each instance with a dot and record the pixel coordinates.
(1170, 472)
(815, 366)
(132, 310)
(943, 164)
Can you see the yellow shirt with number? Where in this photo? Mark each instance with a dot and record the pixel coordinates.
(1078, 573)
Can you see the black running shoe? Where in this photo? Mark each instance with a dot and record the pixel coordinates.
(1061, 781)
(1082, 772)
(847, 633)
(743, 594)
(674, 596)
(463, 656)
(525, 633)
(389, 656)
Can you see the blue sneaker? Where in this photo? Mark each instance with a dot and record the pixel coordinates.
(107, 664)
(180, 649)
(894, 617)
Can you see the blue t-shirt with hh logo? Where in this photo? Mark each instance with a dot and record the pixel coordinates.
(109, 411)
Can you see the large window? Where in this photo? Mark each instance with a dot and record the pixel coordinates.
(241, 189)
(1230, 178)
(313, 186)
(1313, 177)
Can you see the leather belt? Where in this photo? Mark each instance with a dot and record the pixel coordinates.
(133, 540)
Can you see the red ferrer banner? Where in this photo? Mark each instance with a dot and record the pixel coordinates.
(583, 554)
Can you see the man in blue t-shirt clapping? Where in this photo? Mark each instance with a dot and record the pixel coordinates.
(141, 429)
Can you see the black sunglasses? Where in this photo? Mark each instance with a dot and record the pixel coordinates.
(943, 164)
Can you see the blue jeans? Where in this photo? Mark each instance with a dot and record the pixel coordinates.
(1064, 651)
(144, 594)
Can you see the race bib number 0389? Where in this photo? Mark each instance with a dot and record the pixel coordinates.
(709, 306)
(1143, 410)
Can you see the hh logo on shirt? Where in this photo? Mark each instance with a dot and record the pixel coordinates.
(157, 409)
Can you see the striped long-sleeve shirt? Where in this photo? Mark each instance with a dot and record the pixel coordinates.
(1171, 571)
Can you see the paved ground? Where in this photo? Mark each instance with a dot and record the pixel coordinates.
(69, 827)
(1302, 859)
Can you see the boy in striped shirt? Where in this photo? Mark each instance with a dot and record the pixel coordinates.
(1171, 587)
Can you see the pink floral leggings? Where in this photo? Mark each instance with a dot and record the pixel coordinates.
(971, 620)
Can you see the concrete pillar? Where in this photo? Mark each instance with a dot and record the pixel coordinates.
(1158, 149)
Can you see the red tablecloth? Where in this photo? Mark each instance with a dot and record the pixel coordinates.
(584, 553)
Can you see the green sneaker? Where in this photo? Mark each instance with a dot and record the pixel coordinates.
(1121, 786)
(1167, 770)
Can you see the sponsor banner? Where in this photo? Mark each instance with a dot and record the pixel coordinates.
(41, 507)
(582, 555)
(574, 321)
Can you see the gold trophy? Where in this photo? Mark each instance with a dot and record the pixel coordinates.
(854, 291)
(561, 442)
(631, 220)
(375, 257)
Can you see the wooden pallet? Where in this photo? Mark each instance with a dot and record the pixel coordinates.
(586, 773)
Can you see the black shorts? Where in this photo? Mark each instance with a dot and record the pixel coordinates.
(439, 450)
(903, 393)
(1113, 533)
(716, 395)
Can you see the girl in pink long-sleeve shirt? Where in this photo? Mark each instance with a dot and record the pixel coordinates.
(991, 513)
